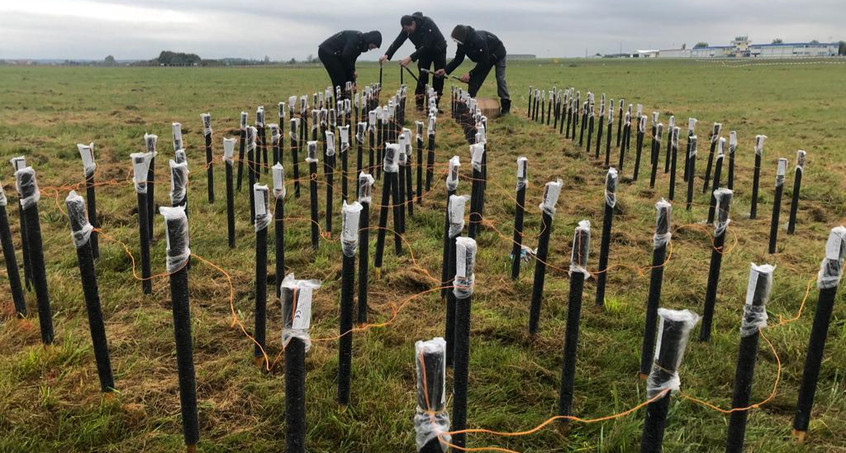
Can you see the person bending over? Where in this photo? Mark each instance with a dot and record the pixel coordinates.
(340, 51)
(429, 49)
(487, 51)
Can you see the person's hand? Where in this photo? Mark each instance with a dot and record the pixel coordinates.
(465, 78)
(440, 73)
(383, 59)
(405, 61)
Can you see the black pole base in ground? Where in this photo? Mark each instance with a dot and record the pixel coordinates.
(260, 333)
(143, 224)
(656, 277)
(711, 290)
(461, 369)
(363, 261)
(540, 273)
(517, 248)
(11, 264)
(295, 407)
(653, 427)
(605, 244)
(230, 206)
(346, 326)
(39, 273)
(571, 342)
(315, 225)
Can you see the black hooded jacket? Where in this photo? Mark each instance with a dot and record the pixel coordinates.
(427, 38)
(348, 45)
(482, 47)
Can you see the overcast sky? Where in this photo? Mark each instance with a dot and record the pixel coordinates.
(140, 29)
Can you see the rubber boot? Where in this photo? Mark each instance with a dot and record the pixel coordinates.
(505, 106)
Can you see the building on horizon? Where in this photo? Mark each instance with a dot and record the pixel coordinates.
(742, 47)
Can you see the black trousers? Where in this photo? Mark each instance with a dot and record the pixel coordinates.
(479, 77)
(425, 61)
(336, 69)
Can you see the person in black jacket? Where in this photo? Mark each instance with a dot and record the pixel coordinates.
(339, 53)
(487, 51)
(430, 48)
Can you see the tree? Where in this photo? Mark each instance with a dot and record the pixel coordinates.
(109, 61)
(814, 41)
(778, 41)
(700, 44)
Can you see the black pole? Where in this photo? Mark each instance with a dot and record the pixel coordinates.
(583, 124)
(87, 153)
(477, 151)
(675, 329)
(295, 148)
(228, 161)
(531, 102)
(797, 182)
(759, 150)
(81, 232)
(620, 123)
(608, 136)
(517, 247)
(10, 259)
(715, 136)
(207, 134)
(451, 188)
(455, 222)
(389, 192)
(464, 284)
(718, 169)
(550, 198)
(754, 318)
(418, 129)
(691, 131)
(691, 168)
(656, 152)
(590, 128)
(279, 150)
(732, 149)
(674, 151)
(401, 184)
(296, 319)
(20, 163)
(329, 174)
(601, 123)
(827, 282)
(659, 254)
(359, 164)
(279, 193)
(721, 222)
(28, 188)
(371, 132)
(312, 188)
(140, 161)
(263, 219)
(611, 179)
(779, 190)
(344, 131)
(251, 168)
(578, 274)
(624, 141)
(409, 183)
(365, 185)
(262, 129)
(242, 147)
(641, 122)
(430, 154)
(150, 143)
(349, 243)
(177, 257)
(431, 420)
(671, 124)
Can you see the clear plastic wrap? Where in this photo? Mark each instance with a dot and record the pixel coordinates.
(87, 154)
(292, 104)
(365, 187)
(658, 133)
(294, 132)
(831, 267)
(671, 123)
(359, 132)
(551, 191)
(452, 175)
(260, 116)
(350, 214)
(303, 105)
(243, 122)
(252, 132)
(628, 120)
(178, 181)
(691, 125)
(759, 144)
(522, 173)
(431, 124)
(180, 157)
(662, 224)
(206, 118)
(296, 309)
(315, 122)
(275, 136)
(481, 136)
(330, 143)
(331, 118)
(721, 148)
(757, 296)
(229, 150)
(693, 140)
(260, 202)
(715, 132)
(610, 113)
(581, 249)
(282, 110)
(278, 181)
(3, 200)
(389, 163)
(150, 142)
(781, 170)
(176, 128)
(611, 180)
(732, 142)
(800, 160)
(465, 264)
(78, 216)
(676, 131)
(641, 124)
(477, 153)
(721, 219)
(402, 156)
(27, 187)
(140, 168)
(431, 420)
(418, 129)
(178, 251)
(344, 133)
(311, 151)
(674, 329)
(455, 214)
(372, 117)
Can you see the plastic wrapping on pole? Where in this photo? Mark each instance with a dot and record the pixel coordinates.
(455, 225)
(721, 222)
(715, 136)
(670, 127)
(624, 144)
(207, 133)
(242, 145)
(756, 177)
(295, 158)
(312, 189)
(599, 133)
(674, 327)
(87, 153)
(364, 259)
(691, 168)
(754, 318)
(262, 222)
(638, 147)
(445, 260)
(797, 183)
(656, 153)
(465, 257)
(718, 169)
(349, 243)
(431, 420)
(139, 163)
(81, 232)
(10, 259)
(828, 281)
(578, 275)
(329, 174)
(177, 256)
(619, 123)
(251, 172)
(551, 192)
(608, 136)
(779, 191)
(517, 247)
(420, 163)
(17, 164)
(659, 254)
(691, 131)
(611, 179)
(229, 151)
(674, 150)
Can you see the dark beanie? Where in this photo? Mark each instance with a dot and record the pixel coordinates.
(406, 20)
(373, 37)
(460, 32)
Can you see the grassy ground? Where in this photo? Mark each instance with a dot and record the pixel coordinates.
(49, 396)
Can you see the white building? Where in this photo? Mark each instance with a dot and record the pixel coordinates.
(742, 48)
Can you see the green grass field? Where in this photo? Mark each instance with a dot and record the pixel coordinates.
(50, 398)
